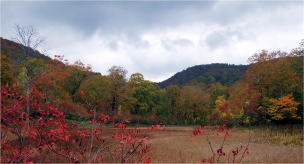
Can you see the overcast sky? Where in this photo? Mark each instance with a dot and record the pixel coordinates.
(160, 38)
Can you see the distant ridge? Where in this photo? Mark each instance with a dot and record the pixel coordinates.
(14, 51)
(226, 74)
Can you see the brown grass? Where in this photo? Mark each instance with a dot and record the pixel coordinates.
(174, 145)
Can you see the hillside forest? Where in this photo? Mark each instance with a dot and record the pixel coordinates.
(267, 91)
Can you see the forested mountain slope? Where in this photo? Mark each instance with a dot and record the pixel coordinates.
(203, 94)
(226, 74)
(14, 51)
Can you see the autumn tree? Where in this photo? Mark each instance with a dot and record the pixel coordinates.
(193, 105)
(276, 77)
(117, 76)
(95, 92)
(243, 101)
(283, 108)
(264, 55)
(77, 74)
(221, 113)
(172, 96)
(215, 90)
(52, 85)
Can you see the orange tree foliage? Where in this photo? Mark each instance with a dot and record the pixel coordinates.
(283, 108)
(243, 100)
(274, 75)
(51, 84)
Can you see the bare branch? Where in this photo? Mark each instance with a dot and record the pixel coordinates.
(28, 37)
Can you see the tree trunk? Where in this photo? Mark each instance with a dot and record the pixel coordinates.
(28, 102)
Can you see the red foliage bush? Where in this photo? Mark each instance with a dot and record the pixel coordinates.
(25, 136)
(235, 155)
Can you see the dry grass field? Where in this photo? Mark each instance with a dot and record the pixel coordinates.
(174, 145)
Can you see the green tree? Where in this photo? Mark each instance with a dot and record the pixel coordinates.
(172, 96)
(95, 92)
(148, 100)
(136, 79)
(73, 81)
(6, 71)
(30, 70)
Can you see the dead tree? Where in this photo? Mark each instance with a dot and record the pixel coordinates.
(30, 40)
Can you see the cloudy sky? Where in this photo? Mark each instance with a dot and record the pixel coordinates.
(159, 38)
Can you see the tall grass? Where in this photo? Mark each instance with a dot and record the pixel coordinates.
(281, 134)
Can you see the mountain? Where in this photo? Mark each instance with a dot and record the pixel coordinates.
(14, 51)
(226, 74)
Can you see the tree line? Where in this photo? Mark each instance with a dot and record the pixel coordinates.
(271, 91)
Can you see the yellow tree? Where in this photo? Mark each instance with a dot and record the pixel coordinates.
(222, 113)
(283, 108)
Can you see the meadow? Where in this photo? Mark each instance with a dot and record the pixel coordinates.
(267, 144)
(174, 144)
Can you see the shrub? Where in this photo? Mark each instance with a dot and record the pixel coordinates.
(27, 138)
(234, 155)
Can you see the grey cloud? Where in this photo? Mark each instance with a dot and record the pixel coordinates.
(128, 39)
(124, 17)
(225, 37)
(171, 45)
(113, 45)
(116, 18)
(75, 27)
